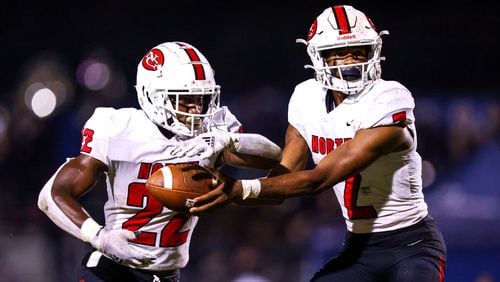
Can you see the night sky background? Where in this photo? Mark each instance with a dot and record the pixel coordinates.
(438, 45)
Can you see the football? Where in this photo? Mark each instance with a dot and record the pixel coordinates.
(175, 185)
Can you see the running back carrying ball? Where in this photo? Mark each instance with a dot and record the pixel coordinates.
(175, 185)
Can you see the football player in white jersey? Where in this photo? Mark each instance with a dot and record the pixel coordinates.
(360, 131)
(141, 240)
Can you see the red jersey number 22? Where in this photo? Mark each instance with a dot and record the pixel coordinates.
(170, 235)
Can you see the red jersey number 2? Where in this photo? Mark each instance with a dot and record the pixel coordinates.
(87, 137)
(351, 191)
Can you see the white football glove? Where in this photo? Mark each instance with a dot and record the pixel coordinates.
(114, 244)
(204, 145)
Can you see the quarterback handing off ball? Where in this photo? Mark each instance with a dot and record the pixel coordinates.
(175, 185)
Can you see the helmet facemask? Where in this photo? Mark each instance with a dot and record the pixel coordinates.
(166, 109)
(205, 100)
(346, 78)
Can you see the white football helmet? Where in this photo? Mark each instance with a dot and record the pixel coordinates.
(170, 70)
(339, 27)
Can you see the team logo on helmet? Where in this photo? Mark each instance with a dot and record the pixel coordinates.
(312, 30)
(153, 60)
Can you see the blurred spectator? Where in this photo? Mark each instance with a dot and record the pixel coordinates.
(464, 130)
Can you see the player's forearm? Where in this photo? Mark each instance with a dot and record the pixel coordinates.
(71, 208)
(47, 205)
(294, 155)
(255, 144)
(244, 160)
(294, 159)
(295, 184)
(333, 169)
(60, 205)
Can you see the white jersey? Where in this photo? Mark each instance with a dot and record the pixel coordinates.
(133, 148)
(387, 195)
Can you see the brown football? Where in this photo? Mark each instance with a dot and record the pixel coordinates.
(175, 185)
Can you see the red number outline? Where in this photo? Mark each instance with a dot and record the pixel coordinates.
(351, 191)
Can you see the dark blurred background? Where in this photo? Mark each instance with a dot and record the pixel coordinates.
(61, 60)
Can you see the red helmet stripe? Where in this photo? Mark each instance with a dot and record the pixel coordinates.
(199, 71)
(341, 19)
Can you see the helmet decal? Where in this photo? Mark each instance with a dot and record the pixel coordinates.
(195, 59)
(341, 19)
(153, 60)
(312, 30)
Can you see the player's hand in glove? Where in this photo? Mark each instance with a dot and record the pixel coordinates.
(225, 193)
(205, 145)
(114, 244)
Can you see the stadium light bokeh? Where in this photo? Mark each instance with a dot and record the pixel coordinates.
(43, 102)
(93, 74)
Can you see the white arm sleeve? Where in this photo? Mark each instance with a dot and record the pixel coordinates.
(51, 209)
(255, 144)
